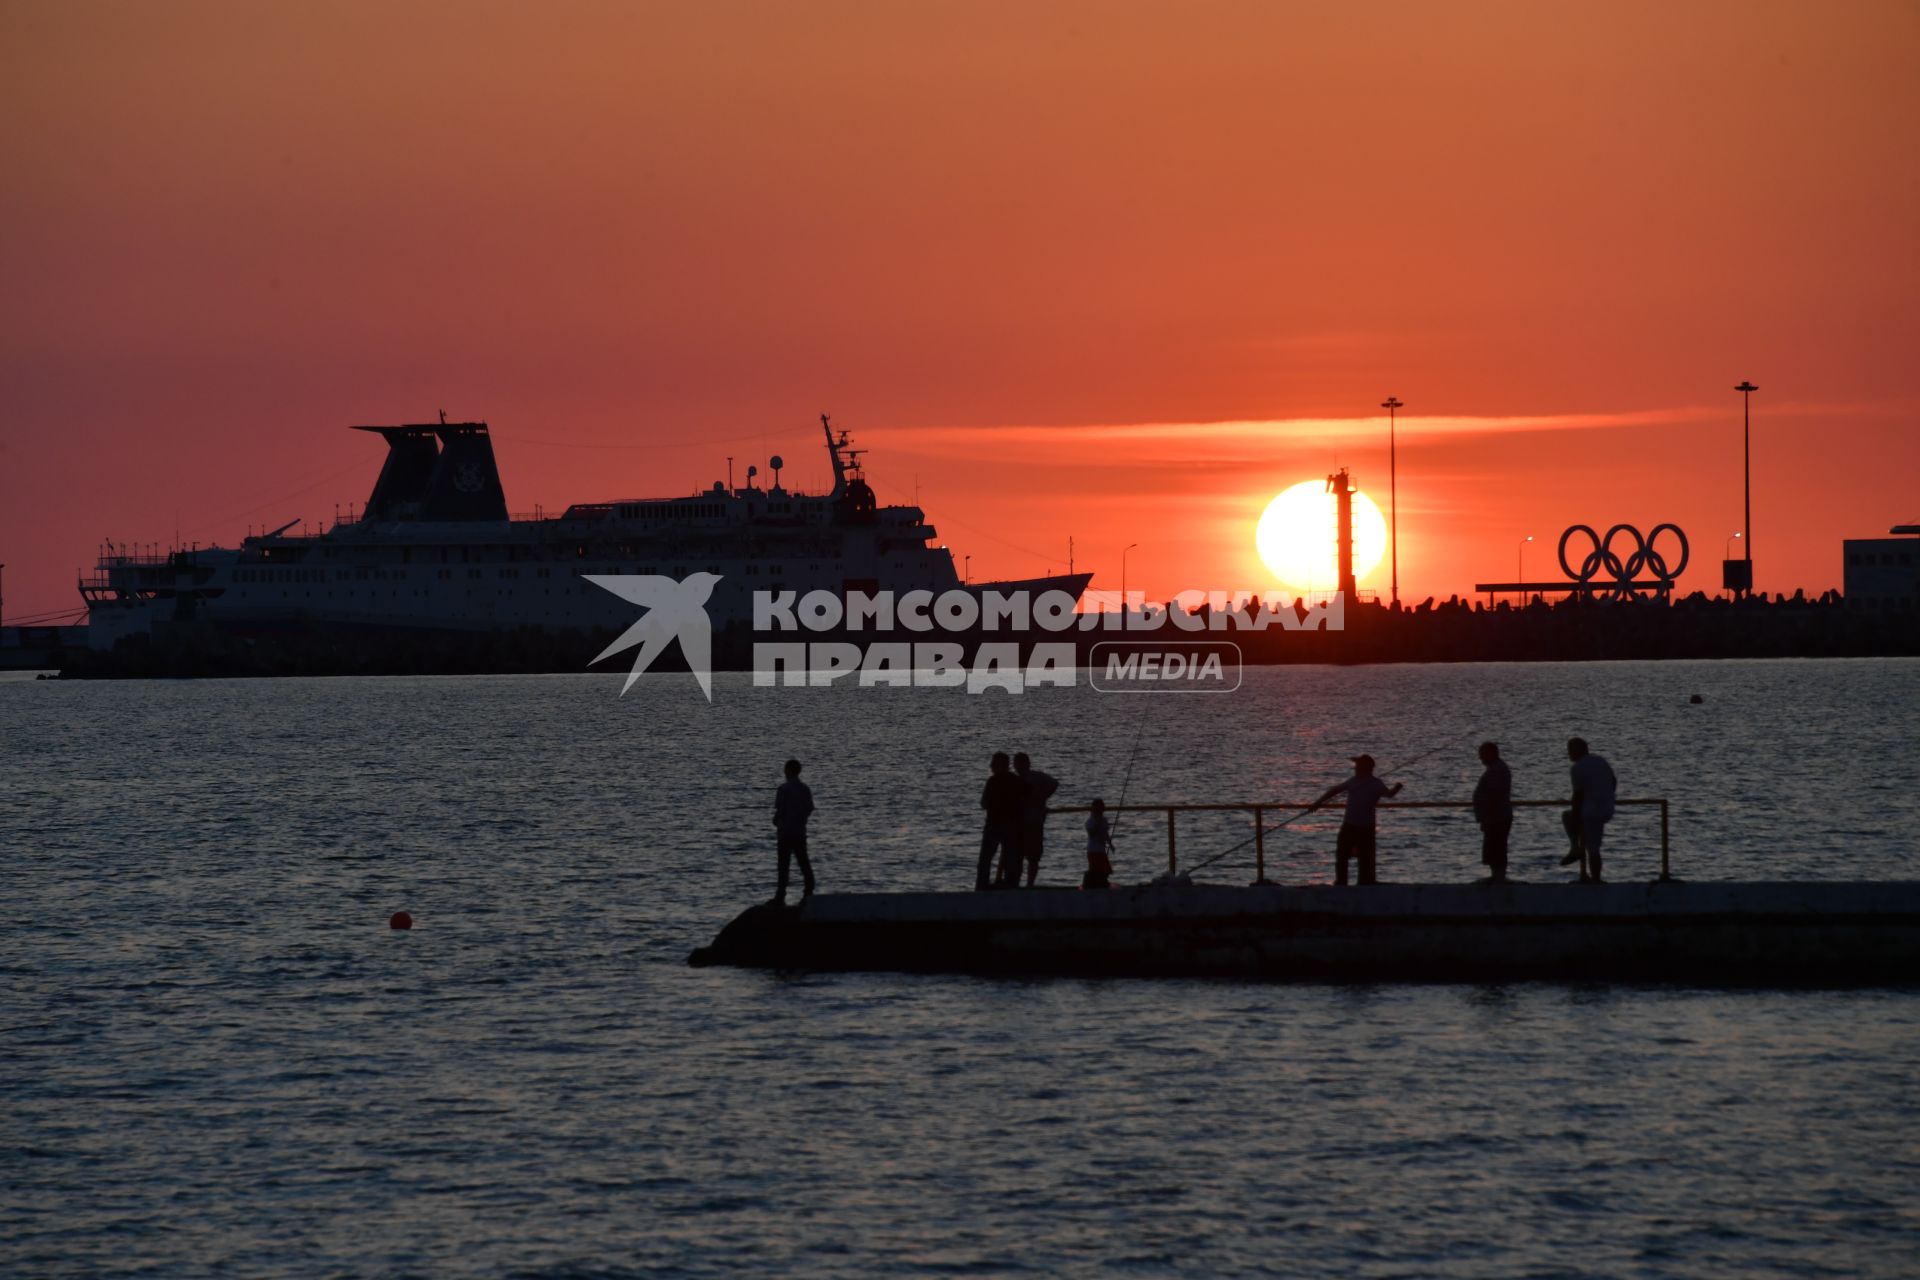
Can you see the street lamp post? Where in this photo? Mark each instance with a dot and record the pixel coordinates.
(1123, 577)
(966, 575)
(1393, 406)
(1520, 566)
(1746, 390)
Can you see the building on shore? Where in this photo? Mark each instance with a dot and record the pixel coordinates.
(1883, 574)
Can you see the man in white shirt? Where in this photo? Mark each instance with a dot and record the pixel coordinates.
(1594, 787)
(1036, 788)
(1356, 838)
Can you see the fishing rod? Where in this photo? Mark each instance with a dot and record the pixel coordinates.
(1127, 780)
(1317, 805)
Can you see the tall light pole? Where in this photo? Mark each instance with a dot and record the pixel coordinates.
(1729, 555)
(1520, 566)
(1123, 576)
(1746, 390)
(1393, 406)
(966, 574)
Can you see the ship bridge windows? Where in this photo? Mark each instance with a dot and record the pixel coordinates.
(677, 510)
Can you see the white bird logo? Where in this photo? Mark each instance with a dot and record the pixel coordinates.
(676, 610)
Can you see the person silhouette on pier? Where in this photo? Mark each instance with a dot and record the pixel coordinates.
(1493, 810)
(1001, 799)
(1035, 789)
(1594, 789)
(1099, 849)
(792, 806)
(1357, 829)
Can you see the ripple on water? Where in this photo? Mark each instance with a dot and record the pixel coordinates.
(215, 1058)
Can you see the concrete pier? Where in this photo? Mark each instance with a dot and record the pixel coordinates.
(1713, 932)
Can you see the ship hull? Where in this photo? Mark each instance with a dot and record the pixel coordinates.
(146, 643)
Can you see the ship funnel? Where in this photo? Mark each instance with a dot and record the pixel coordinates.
(437, 471)
(402, 486)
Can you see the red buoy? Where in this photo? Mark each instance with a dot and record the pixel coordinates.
(401, 920)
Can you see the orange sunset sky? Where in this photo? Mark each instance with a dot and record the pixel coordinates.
(1118, 272)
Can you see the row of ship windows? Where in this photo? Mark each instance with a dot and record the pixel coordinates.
(403, 575)
(452, 555)
(1863, 559)
(692, 510)
(285, 576)
(395, 593)
(298, 575)
(337, 575)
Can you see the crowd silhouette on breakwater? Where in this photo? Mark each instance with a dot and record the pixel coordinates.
(1013, 836)
(1572, 628)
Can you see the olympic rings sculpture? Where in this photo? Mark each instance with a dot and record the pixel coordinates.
(1605, 567)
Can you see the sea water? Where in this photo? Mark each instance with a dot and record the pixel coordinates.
(216, 1059)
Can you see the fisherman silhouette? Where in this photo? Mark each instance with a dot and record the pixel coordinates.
(676, 610)
(1594, 788)
(792, 806)
(1036, 788)
(1099, 849)
(1001, 834)
(1356, 838)
(1493, 809)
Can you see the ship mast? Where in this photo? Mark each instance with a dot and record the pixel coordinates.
(833, 452)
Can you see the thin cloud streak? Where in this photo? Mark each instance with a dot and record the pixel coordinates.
(1305, 430)
(1345, 430)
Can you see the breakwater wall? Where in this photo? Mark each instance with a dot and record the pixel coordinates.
(1450, 631)
(1708, 932)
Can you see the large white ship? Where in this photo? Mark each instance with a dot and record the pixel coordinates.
(437, 551)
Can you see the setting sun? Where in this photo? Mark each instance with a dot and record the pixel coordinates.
(1295, 536)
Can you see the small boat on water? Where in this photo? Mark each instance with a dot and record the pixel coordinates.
(1728, 932)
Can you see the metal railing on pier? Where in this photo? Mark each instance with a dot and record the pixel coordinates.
(1261, 830)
